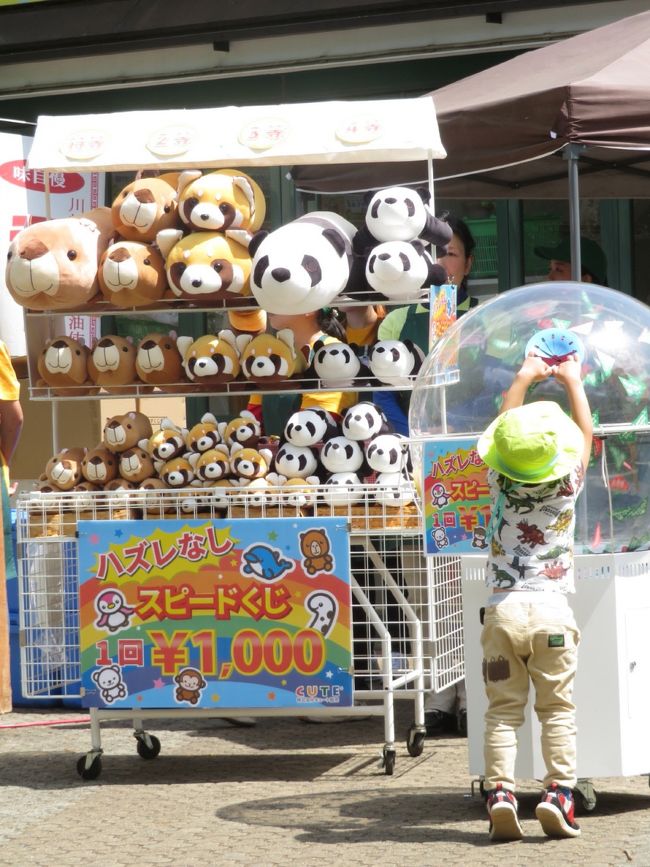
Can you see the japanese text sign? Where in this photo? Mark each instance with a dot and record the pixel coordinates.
(205, 614)
(456, 497)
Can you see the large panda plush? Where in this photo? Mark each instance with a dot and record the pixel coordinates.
(388, 453)
(402, 270)
(308, 427)
(395, 362)
(400, 214)
(337, 365)
(342, 455)
(363, 421)
(303, 265)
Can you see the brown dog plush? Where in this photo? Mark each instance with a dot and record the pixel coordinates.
(63, 365)
(145, 207)
(210, 359)
(132, 274)
(52, 265)
(136, 465)
(112, 363)
(99, 466)
(122, 432)
(63, 470)
(158, 361)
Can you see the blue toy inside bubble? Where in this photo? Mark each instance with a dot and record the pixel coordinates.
(555, 345)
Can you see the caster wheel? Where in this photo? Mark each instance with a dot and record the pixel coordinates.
(91, 772)
(146, 752)
(585, 795)
(389, 762)
(415, 741)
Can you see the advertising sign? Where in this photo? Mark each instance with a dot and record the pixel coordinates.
(456, 497)
(215, 614)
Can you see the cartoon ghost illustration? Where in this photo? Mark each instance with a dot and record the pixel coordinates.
(324, 608)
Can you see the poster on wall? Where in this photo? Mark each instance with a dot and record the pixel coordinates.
(22, 193)
(456, 497)
(215, 614)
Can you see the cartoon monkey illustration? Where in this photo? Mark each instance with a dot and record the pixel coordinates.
(315, 548)
(190, 683)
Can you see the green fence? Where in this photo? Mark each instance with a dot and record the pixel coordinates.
(538, 231)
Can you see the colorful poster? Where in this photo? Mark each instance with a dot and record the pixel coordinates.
(22, 192)
(442, 311)
(456, 497)
(215, 614)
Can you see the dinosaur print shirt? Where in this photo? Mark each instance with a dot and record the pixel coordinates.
(532, 533)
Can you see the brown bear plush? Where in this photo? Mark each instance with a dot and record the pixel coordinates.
(63, 366)
(158, 362)
(52, 265)
(145, 207)
(63, 470)
(122, 432)
(99, 466)
(132, 274)
(112, 363)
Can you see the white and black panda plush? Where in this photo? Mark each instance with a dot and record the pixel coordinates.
(401, 214)
(338, 365)
(392, 489)
(363, 421)
(295, 461)
(388, 453)
(303, 265)
(308, 427)
(403, 270)
(342, 455)
(395, 362)
(341, 489)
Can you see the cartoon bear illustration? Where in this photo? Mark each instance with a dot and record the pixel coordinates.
(109, 681)
(315, 547)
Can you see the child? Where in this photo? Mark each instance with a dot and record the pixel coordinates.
(537, 457)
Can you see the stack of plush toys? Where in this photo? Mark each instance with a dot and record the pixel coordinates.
(316, 458)
(189, 240)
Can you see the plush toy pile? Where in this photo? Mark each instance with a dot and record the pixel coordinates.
(317, 460)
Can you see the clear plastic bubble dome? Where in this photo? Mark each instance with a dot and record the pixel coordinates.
(459, 390)
(461, 383)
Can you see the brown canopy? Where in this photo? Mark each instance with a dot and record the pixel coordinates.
(591, 90)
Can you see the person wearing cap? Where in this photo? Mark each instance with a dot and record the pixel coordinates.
(537, 456)
(592, 258)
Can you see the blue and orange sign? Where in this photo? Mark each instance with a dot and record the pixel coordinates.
(215, 614)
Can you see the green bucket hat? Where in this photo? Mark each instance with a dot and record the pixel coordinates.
(534, 443)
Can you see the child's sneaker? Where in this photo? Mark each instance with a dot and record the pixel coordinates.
(502, 810)
(555, 812)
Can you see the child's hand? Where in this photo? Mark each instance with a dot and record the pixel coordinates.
(568, 371)
(535, 369)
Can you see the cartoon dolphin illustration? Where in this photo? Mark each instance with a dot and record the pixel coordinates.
(264, 562)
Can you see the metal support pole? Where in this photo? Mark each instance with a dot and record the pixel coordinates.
(572, 155)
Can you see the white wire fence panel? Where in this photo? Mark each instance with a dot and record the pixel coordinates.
(446, 647)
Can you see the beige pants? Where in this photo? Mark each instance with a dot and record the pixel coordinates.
(526, 641)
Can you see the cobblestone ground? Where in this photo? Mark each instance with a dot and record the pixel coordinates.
(282, 792)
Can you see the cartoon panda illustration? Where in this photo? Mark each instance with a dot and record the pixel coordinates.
(337, 364)
(395, 362)
(303, 265)
(295, 461)
(400, 214)
(363, 421)
(306, 427)
(387, 453)
(342, 455)
(402, 270)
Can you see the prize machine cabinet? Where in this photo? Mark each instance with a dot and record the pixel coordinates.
(457, 394)
(383, 657)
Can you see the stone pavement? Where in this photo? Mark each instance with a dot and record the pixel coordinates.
(283, 792)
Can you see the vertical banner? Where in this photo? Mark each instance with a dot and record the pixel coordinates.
(456, 497)
(215, 614)
(22, 193)
(442, 311)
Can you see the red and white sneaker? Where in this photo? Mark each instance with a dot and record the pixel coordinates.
(502, 809)
(556, 812)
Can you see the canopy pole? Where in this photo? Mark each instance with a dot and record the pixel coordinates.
(572, 155)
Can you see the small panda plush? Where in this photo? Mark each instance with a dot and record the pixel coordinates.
(392, 489)
(337, 364)
(395, 362)
(387, 453)
(363, 421)
(342, 489)
(402, 270)
(303, 265)
(295, 461)
(308, 427)
(342, 455)
(401, 214)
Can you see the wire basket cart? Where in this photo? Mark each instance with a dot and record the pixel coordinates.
(398, 629)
